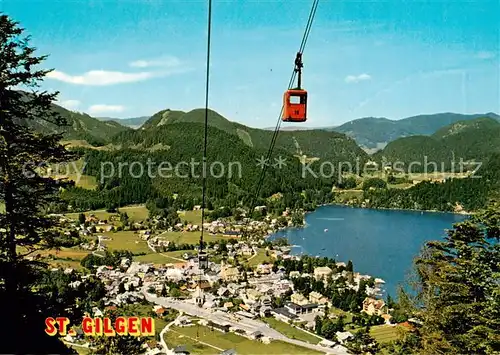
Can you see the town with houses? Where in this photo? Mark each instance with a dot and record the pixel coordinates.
(224, 295)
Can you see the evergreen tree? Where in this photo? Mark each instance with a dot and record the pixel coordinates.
(328, 329)
(124, 218)
(121, 288)
(318, 324)
(340, 324)
(363, 343)
(458, 289)
(25, 191)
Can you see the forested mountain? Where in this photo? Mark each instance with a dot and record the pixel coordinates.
(312, 143)
(231, 165)
(373, 132)
(463, 141)
(471, 194)
(133, 122)
(80, 126)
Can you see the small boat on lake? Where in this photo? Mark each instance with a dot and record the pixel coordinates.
(326, 230)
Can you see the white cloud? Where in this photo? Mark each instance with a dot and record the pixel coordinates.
(99, 77)
(98, 109)
(357, 78)
(69, 104)
(166, 65)
(485, 55)
(167, 61)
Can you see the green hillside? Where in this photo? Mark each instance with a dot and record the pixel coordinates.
(80, 126)
(461, 128)
(311, 143)
(176, 136)
(372, 132)
(463, 141)
(470, 194)
(231, 185)
(161, 118)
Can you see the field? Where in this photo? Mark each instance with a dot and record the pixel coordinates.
(73, 171)
(190, 237)
(129, 240)
(101, 214)
(203, 340)
(138, 213)
(163, 258)
(126, 240)
(291, 332)
(412, 177)
(65, 257)
(258, 259)
(135, 213)
(75, 143)
(63, 264)
(384, 333)
(193, 217)
(339, 312)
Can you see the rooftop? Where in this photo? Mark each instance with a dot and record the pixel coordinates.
(285, 312)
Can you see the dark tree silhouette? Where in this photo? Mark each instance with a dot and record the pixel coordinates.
(25, 191)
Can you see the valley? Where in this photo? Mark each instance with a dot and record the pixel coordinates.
(188, 230)
(455, 151)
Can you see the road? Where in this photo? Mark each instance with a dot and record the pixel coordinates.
(98, 245)
(240, 322)
(166, 256)
(162, 333)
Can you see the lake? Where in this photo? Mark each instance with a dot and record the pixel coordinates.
(380, 243)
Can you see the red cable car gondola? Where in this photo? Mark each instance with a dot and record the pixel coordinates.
(295, 100)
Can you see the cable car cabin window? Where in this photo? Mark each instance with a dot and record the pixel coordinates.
(295, 106)
(297, 99)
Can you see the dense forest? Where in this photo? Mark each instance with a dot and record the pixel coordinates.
(314, 143)
(472, 193)
(452, 148)
(232, 171)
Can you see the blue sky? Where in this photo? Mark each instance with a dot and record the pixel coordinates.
(364, 58)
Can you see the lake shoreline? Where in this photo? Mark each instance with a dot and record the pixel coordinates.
(382, 243)
(304, 213)
(463, 213)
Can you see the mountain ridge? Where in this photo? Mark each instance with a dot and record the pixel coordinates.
(314, 143)
(466, 141)
(80, 126)
(131, 122)
(376, 132)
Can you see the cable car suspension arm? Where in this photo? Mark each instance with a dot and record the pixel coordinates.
(297, 69)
